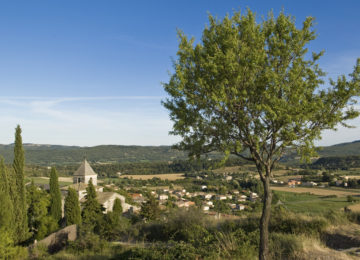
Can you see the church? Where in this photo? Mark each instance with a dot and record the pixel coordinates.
(81, 179)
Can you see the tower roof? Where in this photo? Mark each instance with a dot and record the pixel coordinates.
(84, 169)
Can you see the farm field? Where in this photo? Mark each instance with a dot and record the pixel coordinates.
(63, 181)
(355, 207)
(170, 176)
(318, 191)
(310, 204)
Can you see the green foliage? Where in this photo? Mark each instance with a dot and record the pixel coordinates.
(38, 202)
(117, 208)
(250, 86)
(150, 210)
(7, 248)
(92, 210)
(87, 242)
(6, 204)
(285, 246)
(18, 192)
(72, 208)
(47, 226)
(55, 196)
(286, 222)
(222, 207)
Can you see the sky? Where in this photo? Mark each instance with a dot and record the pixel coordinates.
(90, 72)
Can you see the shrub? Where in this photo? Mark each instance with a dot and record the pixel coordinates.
(285, 246)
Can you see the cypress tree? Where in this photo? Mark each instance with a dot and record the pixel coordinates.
(18, 194)
(38, 203)
(6, 205)
(55, 196)
(92, 210)
(72, 208)
(117, 208)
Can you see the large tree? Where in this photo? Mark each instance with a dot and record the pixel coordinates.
(55, 196)
(72, 208)
(18, 194)
(92, 210)
(251, 89)
(6, 204)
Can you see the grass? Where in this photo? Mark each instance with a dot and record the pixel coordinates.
(43, 180)
(309, 203)
(340, 192)
(170, 176)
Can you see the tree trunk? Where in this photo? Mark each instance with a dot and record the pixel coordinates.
(264, 221)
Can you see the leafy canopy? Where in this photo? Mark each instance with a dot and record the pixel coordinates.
(253, 85)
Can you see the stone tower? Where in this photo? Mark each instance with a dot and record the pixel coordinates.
(84, 174)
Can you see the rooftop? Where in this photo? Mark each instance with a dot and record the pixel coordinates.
(84, 169)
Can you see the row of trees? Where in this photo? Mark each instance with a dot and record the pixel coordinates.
(28, 213)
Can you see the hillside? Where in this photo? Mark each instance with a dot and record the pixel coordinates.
(63, 155)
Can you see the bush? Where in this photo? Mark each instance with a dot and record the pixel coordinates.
(353, 216)
(284, 221)
(285, 246)
(87, 242)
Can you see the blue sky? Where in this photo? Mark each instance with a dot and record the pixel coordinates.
(90, 72)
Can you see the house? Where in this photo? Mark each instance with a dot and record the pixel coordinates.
(293, 182)
(253, 196)
(208, 196)
(137, 197)
(209, 203)
(80, 188)
(205, 208)
(81, 179)
(221, 197)
(107, 199)
(163, 197)
(203, 187)
(185, 204)
(240, 207)
(84, 174)
(309, 184)
(229, 178)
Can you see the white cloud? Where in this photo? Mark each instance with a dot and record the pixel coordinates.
(68, 121)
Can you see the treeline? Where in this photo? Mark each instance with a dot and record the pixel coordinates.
(178, 166)
(337, 162)
(48, 155)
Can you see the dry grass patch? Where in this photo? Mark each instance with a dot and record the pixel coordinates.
(317, 191)
(170, 176)
(355, 207)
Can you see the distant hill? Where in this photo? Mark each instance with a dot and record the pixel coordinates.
(343, 149)
(64, 155)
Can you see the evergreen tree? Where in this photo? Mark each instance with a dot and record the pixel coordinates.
(38, 201)
(6, 205)
(55, 196)
(92, 210)
(150, 210)
(72, 208)
(18, 195)
(117, 208)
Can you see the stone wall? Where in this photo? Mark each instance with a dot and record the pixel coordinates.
(57, 240)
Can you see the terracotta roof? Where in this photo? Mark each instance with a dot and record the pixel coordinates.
(84, 169)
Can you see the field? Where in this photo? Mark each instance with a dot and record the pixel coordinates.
(170, 176)
(310, 204)
(355, 207)
(318, 191)
(63, 181)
